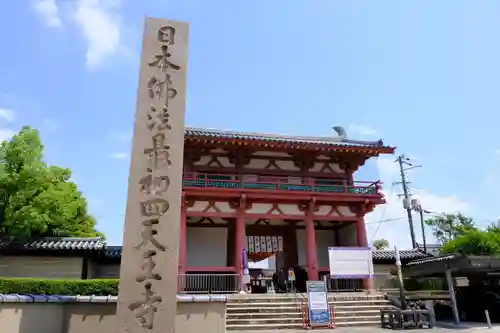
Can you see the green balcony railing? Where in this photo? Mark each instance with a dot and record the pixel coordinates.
(205, 183)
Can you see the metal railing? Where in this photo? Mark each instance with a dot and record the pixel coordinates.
(199, 180)
(194, 283)
(227, 283)
(383, 282)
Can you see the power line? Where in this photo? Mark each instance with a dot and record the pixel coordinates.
(386, 221)
(383, 212)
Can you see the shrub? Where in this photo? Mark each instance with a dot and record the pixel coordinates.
(24, 286)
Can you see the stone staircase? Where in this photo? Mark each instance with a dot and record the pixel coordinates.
(278, 311)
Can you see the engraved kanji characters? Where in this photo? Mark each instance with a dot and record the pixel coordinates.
(158, 118)
(162, 61)
(145, 308)
(166, 34)
(147, 267)
(155, 207)
(158, 156)
(161, 89)
(154, 185)
(148, 236)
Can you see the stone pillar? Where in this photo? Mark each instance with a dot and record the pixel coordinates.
(183, 239)
(363, 242)
(239, 241)
(181, 281)
(311, 256)
(148, 274)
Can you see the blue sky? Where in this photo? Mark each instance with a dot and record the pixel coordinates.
(423, 75)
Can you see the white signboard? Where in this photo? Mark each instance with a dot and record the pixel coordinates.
(350, 262)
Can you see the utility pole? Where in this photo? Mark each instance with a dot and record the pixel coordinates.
(403, 161)
(417, 207)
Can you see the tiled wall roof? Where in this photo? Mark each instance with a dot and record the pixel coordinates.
(404, 254)
(56, 243)
(14, 298)
(116, 252)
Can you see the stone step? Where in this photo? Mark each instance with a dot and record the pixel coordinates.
(263, 315)
(278, 326)
(339, 315)
(355, 307)
(235, 327)
(359, 323)
(269, 312)
(360, 313)
(298, 297)
(268, 309)
(250, 322)
(352, 317)
(281, 302)
(296, 309)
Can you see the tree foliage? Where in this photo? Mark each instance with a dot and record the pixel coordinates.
(474, 242)
(459, 234)
(38, 200)
(380, 244)
(446, 227)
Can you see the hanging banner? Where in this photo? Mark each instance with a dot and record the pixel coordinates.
(317, 298)
(246, 271)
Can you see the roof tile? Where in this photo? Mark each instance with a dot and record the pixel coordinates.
(15, 298)
(404, 254)
(56, 243)
(116, 252)
(330, 141)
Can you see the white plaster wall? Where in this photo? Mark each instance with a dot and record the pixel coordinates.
(324, 239)
(206, 247)
(301, 247)
(41, 267)
(348, 235)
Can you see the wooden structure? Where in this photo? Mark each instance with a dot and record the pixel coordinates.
(272, 194)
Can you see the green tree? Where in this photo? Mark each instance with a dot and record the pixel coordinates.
(380, 244)
(38, 200)
(494, 227)
(474, 242)
(446, 227)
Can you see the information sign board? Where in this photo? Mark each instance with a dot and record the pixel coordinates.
(317, 297)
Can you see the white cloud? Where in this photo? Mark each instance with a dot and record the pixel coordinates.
(7, 114)
(6, 134)
(49, 12)
(100, 26)
(362, 130)
(396, 230)
(119, 155)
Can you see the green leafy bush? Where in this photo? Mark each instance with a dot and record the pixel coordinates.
(23, 286)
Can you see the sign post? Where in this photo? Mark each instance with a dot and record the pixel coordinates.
(317, 298)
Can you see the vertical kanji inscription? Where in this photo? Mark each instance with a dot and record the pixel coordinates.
(148, 277)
